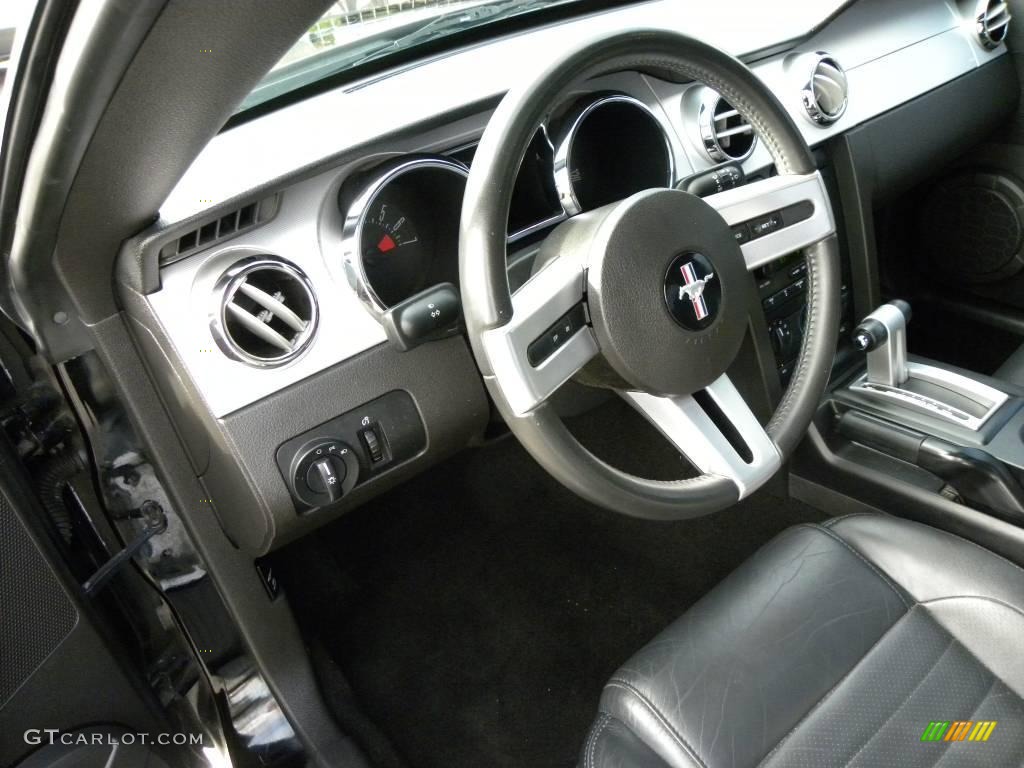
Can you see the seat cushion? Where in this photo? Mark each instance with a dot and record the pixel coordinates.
(835, 645)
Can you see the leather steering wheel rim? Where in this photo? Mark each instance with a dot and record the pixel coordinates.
(488, 303)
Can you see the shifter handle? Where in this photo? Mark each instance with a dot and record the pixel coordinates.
(873, 331)
(883, 335)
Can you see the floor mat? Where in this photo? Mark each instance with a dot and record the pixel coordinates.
(478, 610)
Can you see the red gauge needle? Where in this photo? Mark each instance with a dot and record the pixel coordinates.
(386, 244)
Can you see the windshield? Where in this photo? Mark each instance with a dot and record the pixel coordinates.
(356, 32)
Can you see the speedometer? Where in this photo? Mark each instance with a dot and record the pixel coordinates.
(609, 149)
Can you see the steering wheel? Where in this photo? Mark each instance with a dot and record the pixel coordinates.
(654, 292)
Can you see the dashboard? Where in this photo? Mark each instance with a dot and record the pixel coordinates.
(333, 223)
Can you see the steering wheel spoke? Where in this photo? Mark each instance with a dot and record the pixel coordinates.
(716, 431)
(777, 216)
(547, 340)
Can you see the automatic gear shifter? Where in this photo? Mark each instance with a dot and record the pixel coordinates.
(918, 386)
(883, 335)
(923, 413)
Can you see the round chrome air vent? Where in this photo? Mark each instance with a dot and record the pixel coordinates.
(992, 21)
(726, 134)
(826, 93)
(265, 311)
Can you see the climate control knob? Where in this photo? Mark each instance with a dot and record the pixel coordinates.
(323, 472)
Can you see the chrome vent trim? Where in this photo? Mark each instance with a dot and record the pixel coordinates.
(992, 22)
(265, 312)
(827, 92)
(724, 132)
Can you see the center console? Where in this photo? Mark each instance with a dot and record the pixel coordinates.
(897, 421)
(782, 290)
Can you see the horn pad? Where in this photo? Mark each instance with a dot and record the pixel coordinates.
(668, 291)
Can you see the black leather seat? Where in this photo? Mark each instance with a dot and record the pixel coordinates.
(835, 645)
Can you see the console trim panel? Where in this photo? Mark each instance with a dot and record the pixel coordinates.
(993, 399)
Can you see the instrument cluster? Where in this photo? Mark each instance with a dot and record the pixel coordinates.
(402, 217)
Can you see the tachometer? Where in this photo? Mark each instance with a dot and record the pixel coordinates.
(387, 229)
(395, 253)
(401, 228)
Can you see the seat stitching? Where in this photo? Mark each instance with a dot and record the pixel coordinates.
(986, 598)
(834, 688)
(662, 720)
(595, 734)
(906, 699)
(835, 520)
(862, 558)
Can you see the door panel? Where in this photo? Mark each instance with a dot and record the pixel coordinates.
(57, 670)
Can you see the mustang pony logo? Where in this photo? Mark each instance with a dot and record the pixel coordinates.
(694, 289)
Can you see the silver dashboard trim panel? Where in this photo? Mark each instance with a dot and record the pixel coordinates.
(345, 327)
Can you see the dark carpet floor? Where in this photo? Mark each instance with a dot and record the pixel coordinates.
(475, 613)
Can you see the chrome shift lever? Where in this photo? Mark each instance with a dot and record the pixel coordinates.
(883, 335)
(926, 390)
